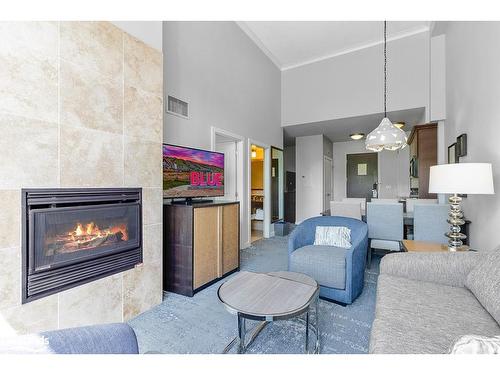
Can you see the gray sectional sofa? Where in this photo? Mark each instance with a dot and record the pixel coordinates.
(426, 301)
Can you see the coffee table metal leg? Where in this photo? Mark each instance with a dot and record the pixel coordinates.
(241, 338)
(230, 345)
(307, 332)
(317, 346)
(241, 334)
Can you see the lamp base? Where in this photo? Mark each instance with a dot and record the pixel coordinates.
(458, 249)
(455, 220)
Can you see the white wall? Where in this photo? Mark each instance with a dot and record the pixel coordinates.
(309, 175)
(394, 175)
(438, 78)
(327, 147)
(228, 82)
(393, 167)
(150, 32)
(472, 107)
(352, 84)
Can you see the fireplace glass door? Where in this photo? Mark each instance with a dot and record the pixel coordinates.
(67, 235)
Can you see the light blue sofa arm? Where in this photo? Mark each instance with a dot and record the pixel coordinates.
(117, 338)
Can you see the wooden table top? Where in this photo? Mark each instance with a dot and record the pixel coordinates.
(426, 247)
(277, 294)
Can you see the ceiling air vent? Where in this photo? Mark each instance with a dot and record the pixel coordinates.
(177, 107)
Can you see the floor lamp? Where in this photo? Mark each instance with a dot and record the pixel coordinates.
(455, 179)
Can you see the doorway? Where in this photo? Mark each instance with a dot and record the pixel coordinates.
(265, 193)
(256, 192)
(362, 175)
(327, 182)
(277, 185)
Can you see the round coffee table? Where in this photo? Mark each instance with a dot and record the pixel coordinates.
(268, 297)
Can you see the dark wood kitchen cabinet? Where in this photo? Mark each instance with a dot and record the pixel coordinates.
(423, 155)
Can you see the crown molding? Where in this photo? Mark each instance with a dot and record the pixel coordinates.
(281, 67)
(243, 26)
(346, 51)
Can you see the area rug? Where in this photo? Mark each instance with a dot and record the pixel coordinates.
(200, 324)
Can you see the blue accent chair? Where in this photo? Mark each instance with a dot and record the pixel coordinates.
(339, 272)
(429, 222)
(116, 338)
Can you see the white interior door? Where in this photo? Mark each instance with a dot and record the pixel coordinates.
(327, 182)
(230, 169)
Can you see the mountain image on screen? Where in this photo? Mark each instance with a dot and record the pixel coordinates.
(189, 172)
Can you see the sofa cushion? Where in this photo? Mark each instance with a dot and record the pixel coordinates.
(325, 264)
(484, 282)
(422, 317)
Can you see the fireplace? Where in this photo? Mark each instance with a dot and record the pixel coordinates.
(74, 236)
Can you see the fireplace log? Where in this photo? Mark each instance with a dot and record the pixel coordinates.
(68, 243)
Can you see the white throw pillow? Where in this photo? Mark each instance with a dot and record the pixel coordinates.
(333, 236)
(473, 344)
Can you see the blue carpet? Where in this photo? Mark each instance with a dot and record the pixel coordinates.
(201, 324)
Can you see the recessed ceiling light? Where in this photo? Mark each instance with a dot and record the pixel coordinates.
(357, 136)
(399, 124)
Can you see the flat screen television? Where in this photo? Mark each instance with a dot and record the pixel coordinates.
(192, 173)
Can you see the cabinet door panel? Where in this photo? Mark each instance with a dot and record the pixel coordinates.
(206, 245)
(230, 237)
(427, 156)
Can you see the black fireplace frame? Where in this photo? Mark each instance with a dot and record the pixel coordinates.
(41, 284)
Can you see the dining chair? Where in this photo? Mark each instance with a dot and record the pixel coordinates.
(357, 200)
(385, 227)
(411, 202)
(429, 223)
(346, 209)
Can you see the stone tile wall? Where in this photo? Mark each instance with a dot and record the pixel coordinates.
(80, 105)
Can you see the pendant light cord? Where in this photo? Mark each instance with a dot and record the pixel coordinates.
(385, 68)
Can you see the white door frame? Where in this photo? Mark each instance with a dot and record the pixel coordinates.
(267, 187)
(240, 163)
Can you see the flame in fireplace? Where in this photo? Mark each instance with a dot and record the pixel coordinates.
(91, 230)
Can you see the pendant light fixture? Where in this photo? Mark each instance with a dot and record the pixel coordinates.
(386, 135)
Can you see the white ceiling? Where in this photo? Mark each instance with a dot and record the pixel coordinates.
(339, 130)
(150, 32)
(293, 43)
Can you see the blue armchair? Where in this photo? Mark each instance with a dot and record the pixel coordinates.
(339, 272)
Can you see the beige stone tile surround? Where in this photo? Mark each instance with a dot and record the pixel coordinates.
(80, 106)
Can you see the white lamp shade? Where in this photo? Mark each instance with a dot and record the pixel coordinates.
(465, 178)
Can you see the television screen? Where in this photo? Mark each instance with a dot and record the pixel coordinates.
(190, 172)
